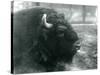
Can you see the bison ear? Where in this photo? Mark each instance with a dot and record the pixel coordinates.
(44, 21)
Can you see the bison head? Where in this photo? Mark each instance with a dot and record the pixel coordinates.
(58, 40)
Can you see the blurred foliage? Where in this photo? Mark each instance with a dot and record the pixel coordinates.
(73, 13)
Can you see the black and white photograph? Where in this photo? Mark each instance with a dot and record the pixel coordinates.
(53, 37)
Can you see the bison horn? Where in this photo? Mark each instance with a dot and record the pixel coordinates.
(44, 21)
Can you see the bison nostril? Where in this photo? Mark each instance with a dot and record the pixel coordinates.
(77, 47)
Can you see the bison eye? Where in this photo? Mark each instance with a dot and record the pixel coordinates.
(60, 33)
(61, 30)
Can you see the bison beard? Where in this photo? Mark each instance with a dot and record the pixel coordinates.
(35, 43)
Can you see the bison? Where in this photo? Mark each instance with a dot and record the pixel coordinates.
(42, 38)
